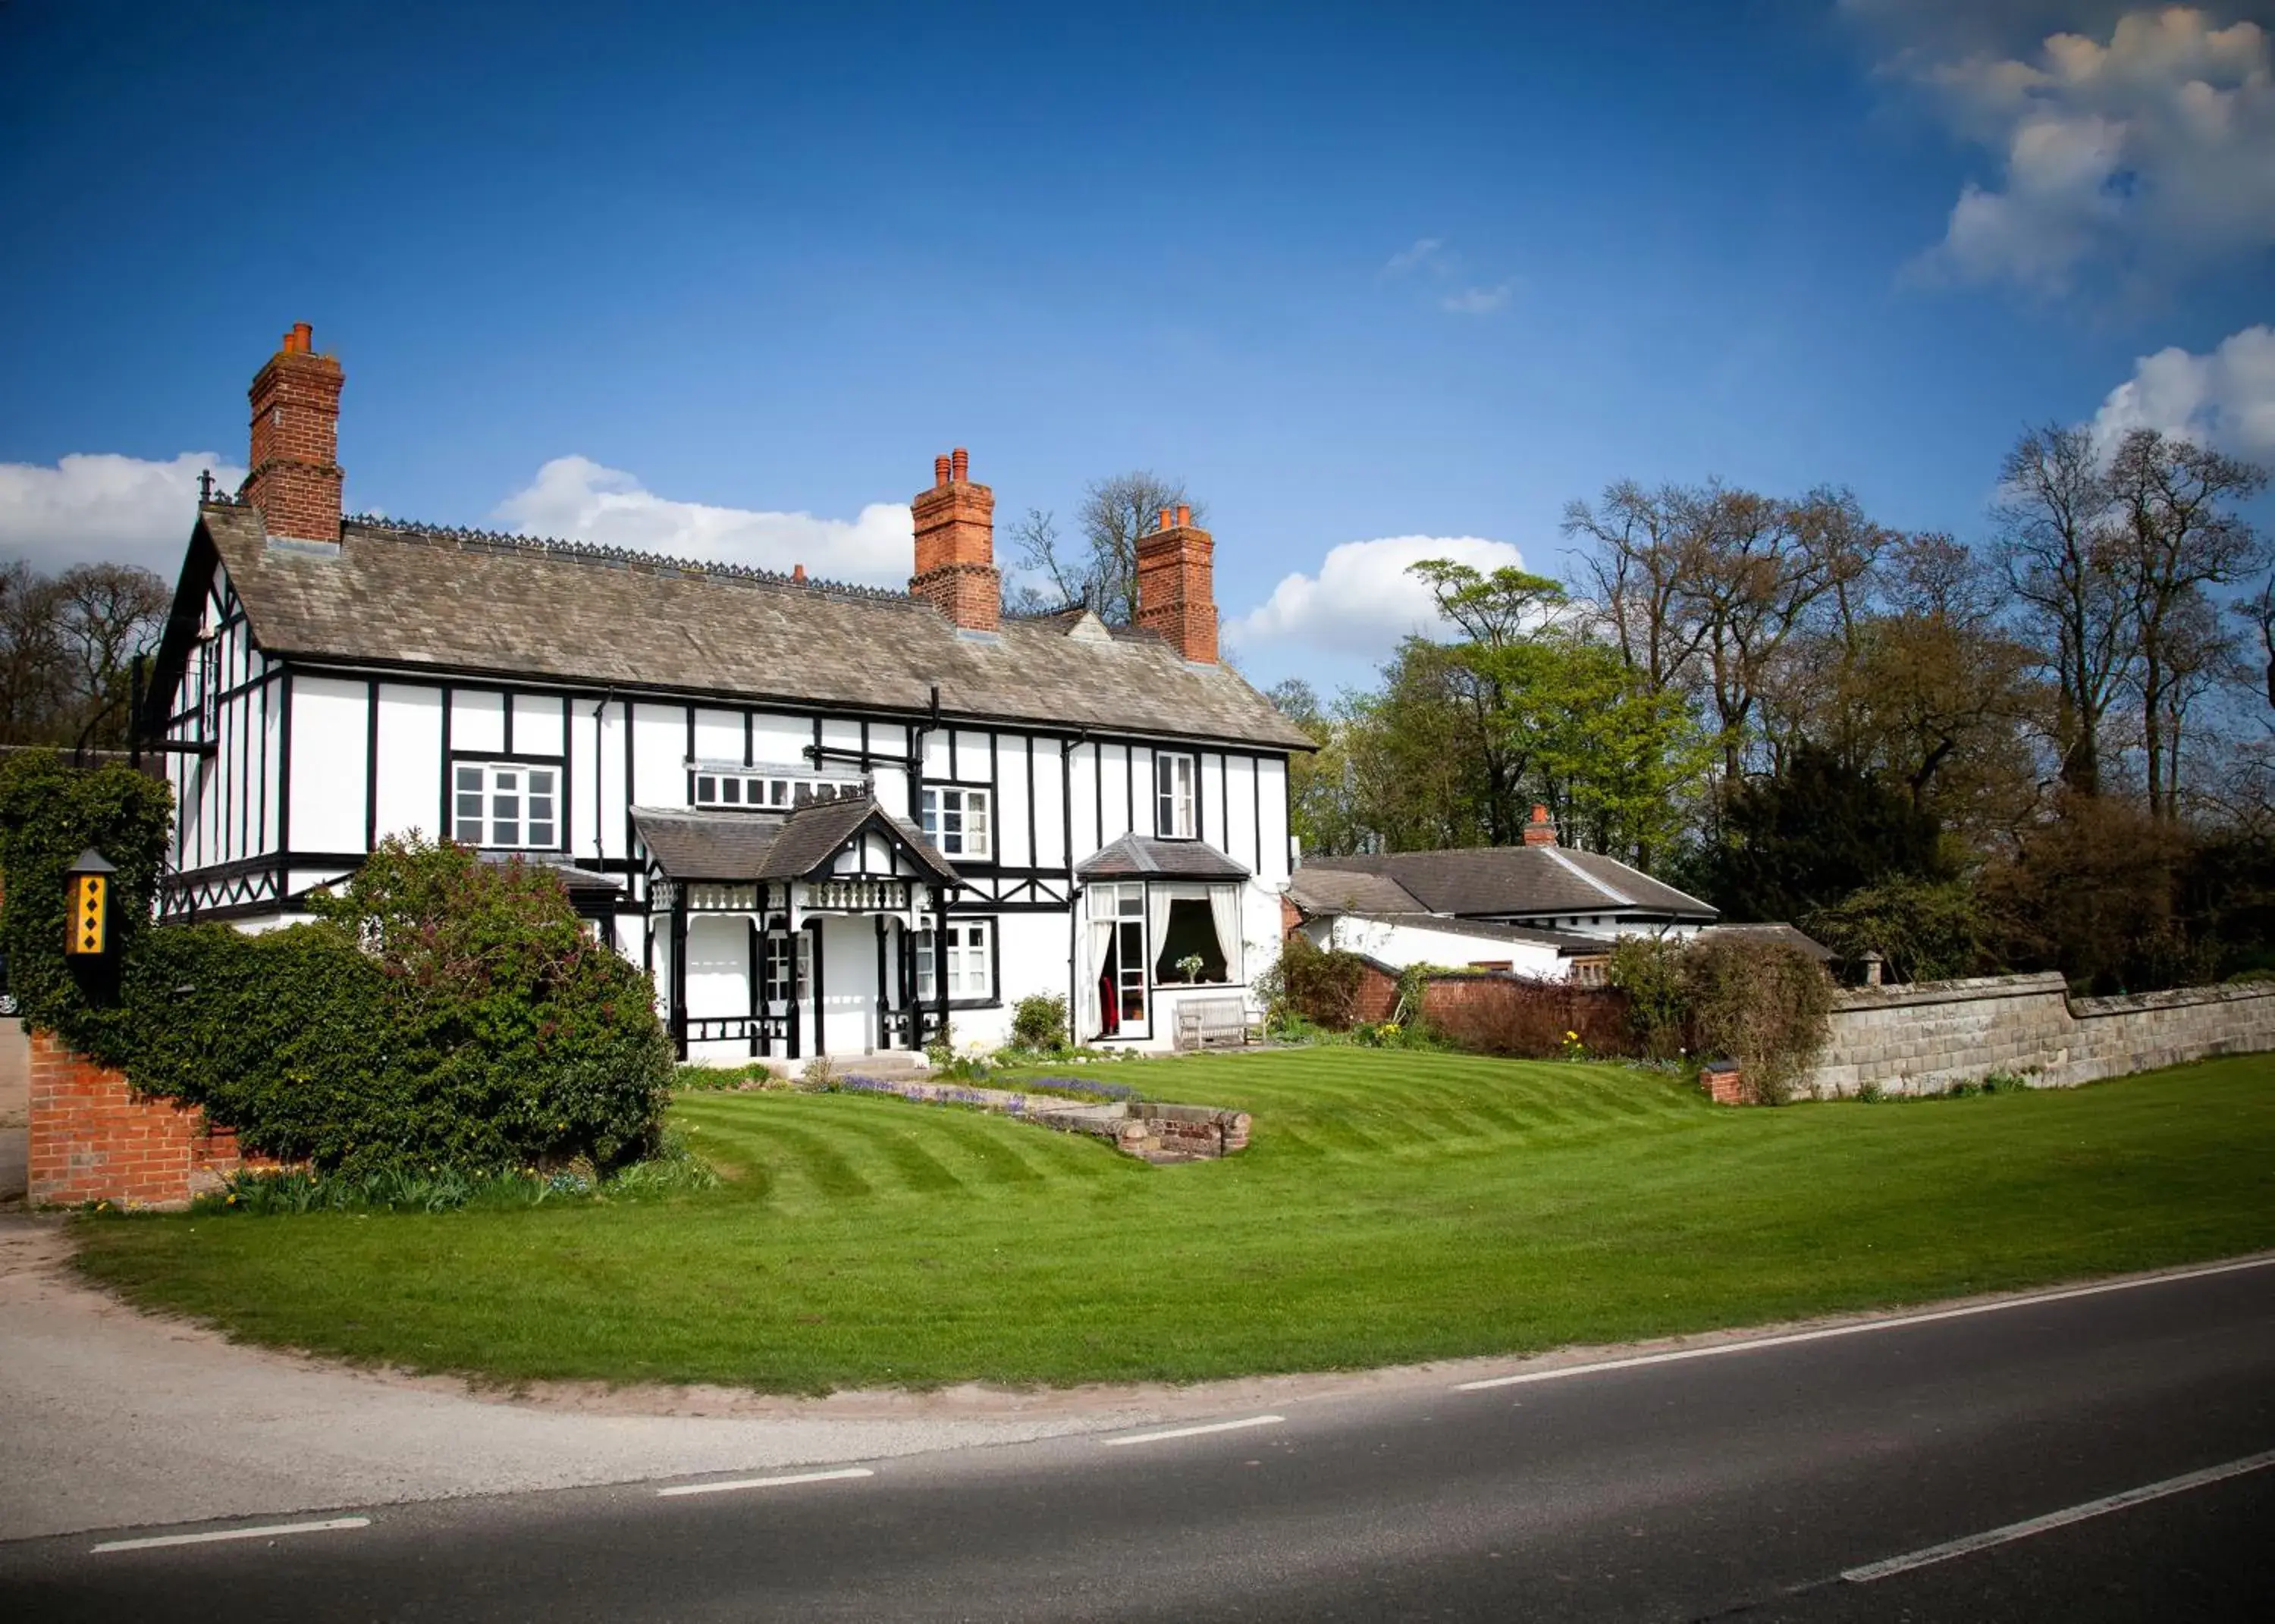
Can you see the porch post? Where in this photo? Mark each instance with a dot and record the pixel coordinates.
(679, 967)
(884, 1006)
(754, 973)
(820, 1018)
(940, 954)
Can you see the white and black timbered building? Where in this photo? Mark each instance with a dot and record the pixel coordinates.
(825, 817)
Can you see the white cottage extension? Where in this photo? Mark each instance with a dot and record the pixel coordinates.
(825, 817)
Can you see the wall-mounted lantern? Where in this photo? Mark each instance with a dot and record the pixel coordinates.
(86, 933)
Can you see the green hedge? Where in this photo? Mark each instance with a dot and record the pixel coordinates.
(441, 1011)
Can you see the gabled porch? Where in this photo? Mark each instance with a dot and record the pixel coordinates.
(821, 931)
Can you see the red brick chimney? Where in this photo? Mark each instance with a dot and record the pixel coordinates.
(955, 546)
(296, 475)
(1539, 832)
(1176, 596)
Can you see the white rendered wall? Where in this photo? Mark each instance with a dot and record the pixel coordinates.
(410, 776)
(1400, 945)
(331, 752)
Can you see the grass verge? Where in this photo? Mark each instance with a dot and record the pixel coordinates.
(1395, 1206)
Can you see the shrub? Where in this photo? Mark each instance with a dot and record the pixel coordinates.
(48, 814)
(443, 1012)
(1039, 1022)
(1763, 1003)
(1319, 984)
(1925, 929)
(1649, 969)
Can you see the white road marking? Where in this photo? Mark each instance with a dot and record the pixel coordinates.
(1862, 1327)
(1214, 1426)
(765, 1483)
(2056, 1519)
(268, 1532)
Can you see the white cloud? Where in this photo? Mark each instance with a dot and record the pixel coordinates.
(2149, 155)
(1362, 600)
(99, 506)
(1425, 250)
(1478, 301)
(576, 498)
(2225, 400)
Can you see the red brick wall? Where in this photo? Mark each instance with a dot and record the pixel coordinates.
(1377, 995)
(93, 1139)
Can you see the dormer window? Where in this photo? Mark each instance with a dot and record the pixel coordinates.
(1175, 796)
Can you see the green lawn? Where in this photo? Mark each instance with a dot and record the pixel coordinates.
(1394, 1207)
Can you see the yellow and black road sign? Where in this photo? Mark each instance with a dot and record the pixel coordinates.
(88, 931)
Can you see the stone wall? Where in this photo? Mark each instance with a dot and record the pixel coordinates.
(1926, 1038)
(94, 1139)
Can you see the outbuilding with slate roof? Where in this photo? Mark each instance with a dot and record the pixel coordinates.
(828, 819)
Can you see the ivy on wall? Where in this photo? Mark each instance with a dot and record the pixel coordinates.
(438, 1010)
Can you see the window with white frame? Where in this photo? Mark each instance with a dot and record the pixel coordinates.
(971, 962)
(1175, 797)
(507, 804)
(956, 820)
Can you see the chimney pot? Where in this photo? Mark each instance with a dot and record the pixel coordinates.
(1166, 517)
(1184, 515)
(954, 524)
(302, 340)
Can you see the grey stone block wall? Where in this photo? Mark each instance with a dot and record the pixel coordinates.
(1927, 1038)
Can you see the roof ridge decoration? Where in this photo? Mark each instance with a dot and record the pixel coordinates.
(473, 540)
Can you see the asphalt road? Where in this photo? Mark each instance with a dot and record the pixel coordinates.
(1746, 1483)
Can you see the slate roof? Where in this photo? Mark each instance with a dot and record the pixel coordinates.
(1142, 857)
(581, 882)
(753, 846)
(509, 607)
(1514, 880)
(1792, 936)
(1317, 890)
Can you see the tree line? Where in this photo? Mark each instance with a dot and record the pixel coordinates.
(68, 644)
(2056, 749)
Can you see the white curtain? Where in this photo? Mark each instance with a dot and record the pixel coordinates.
(1224, 912)
(1158, 898)
(1096, 936)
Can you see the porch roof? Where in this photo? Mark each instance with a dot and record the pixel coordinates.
(760, 846)
(1143, 856)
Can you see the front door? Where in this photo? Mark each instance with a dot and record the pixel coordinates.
(1124, 990)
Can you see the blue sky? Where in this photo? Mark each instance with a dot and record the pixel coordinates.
(725, 279)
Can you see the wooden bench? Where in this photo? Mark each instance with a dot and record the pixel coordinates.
(1202, 1023)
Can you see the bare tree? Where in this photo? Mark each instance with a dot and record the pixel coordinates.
(2062, 554)
(2179, 537)
(1115, 511)
(67, 646)
(1646, 547)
